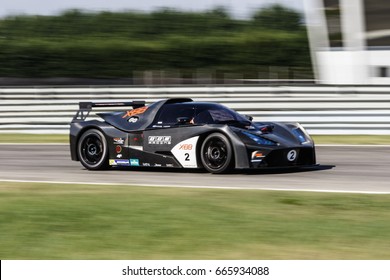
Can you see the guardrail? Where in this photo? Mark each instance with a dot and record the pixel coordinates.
(320, 109)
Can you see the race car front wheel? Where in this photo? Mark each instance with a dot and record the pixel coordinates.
(217, 153)
(92, 150)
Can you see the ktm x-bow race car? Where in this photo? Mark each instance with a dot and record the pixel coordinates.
(182, 133)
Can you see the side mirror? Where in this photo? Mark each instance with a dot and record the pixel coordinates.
(248, 117)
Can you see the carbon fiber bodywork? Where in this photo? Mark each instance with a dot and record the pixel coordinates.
(147, 136)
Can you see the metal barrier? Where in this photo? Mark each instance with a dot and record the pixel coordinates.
(320, 109)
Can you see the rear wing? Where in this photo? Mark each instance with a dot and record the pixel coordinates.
(86, 107)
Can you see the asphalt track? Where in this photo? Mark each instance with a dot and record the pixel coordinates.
(361, 169)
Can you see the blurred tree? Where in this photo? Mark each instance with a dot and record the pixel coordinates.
(277, 17)
(107, 44)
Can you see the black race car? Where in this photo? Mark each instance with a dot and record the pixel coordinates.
(182, 133)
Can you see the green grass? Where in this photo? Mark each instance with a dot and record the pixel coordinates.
(33, 138)
(352, 139)
(319, 139)
(54, 221)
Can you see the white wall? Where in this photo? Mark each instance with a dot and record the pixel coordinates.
(353, 64)
(353, 67)
(378, 59)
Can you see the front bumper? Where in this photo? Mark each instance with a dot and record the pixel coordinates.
(283, 157)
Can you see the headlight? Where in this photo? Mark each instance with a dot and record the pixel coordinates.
(259, 140)
(301, 135)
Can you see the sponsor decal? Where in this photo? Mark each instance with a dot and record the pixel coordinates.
(292, 155)
(118, 141)
(157, 165)
(118, 149)
(186, 147)
(123, 162)
(169, 165)
(134, 112)
(159, 140)
(134, 162)
(133, 119)
(185, 152)
(145, 164)
(119, 156)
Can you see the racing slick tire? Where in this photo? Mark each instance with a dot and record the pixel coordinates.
(216, 153)
(92, 150)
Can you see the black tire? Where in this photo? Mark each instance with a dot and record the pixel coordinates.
(92, 150)
(216, 153)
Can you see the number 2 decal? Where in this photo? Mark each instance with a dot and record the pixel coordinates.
(185, 152)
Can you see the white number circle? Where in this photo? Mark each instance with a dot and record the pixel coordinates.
(292, 155)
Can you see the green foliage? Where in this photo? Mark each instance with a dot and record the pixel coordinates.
(277, 17)
(106, 44)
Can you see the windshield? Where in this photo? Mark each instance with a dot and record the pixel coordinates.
(200, 113)
(218, 114)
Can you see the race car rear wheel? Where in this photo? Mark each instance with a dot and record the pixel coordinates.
(216, 153)
(92, 150)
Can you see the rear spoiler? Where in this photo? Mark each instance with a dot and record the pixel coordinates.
(86, 107)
